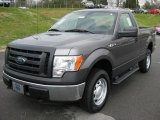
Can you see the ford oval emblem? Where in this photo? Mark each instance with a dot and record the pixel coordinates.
(20, 60)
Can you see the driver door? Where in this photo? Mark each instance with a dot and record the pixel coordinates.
(125, 50)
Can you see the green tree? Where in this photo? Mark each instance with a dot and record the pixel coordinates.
(124, 4)
(100, 2)
(105, 2)
(147, 5)
(132, 4)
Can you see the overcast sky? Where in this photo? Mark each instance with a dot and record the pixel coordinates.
(142, 2)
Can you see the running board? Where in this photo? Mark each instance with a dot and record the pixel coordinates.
(121, 79)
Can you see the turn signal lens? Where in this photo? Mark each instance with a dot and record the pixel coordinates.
(79, 60)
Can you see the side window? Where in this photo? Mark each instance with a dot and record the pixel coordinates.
(125, 22)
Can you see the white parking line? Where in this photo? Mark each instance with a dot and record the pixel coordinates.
(97, 116)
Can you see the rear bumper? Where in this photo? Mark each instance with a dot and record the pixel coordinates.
(50, 92)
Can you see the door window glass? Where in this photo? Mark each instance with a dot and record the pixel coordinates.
(125, 22)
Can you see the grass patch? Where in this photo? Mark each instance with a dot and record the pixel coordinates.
(18, 23)
(147, 20)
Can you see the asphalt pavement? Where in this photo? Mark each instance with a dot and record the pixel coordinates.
(137, 98)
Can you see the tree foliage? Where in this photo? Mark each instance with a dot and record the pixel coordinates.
(119, 3)
(148, 5)
(69, 3)
(131, 4)
(61, 3)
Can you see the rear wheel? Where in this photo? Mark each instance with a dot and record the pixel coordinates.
(96, 92)
(145, 64)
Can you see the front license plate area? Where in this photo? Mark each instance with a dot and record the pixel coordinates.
(18, 87)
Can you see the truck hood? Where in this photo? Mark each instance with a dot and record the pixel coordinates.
(60, 39)
(51, 41)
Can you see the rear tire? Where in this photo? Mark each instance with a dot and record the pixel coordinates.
(96, 91)
(145, 64)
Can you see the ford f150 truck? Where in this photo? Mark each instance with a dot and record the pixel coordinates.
(79, 57)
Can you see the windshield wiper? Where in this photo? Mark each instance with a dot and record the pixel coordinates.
(78, 30)
(53, 29)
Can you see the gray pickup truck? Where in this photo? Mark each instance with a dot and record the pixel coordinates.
(79, 57)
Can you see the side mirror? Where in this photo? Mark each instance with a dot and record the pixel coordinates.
(128, 32)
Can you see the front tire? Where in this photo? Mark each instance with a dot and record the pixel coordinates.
(97, 90)
(145, 64)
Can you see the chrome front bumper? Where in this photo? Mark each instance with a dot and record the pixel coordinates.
(56, 92)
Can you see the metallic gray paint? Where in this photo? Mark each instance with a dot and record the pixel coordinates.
(122, 52)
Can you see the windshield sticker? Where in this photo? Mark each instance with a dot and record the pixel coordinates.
(81, 17)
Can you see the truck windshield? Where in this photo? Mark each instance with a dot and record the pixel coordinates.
(97, 22)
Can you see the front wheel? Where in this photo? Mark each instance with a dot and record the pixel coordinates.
(97, 90)
(145, 64)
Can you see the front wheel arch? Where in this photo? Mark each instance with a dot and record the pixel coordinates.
(100, 58)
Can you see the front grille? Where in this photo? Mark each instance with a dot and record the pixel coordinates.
(36, 62)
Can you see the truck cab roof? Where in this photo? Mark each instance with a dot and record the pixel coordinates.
(117, 10)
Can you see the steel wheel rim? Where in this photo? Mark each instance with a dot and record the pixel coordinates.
(100, 91)
(148, 61)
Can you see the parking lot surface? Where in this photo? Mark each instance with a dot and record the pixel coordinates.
(137, 98)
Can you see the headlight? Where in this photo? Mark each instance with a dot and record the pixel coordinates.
(62, 64)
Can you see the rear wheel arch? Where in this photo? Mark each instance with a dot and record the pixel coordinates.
(145, 64)
(150, 47)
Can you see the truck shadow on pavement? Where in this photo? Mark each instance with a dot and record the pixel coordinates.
(32, 109)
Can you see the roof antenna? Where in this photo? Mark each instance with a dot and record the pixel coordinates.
(37, 14)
